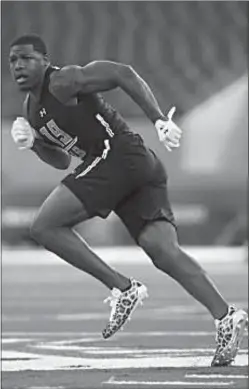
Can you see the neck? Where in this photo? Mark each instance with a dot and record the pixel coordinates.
(36, 92)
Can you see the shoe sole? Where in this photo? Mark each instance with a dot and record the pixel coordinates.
(232, 349)
(142, 294)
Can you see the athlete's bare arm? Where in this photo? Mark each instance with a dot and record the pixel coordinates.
(99, 76)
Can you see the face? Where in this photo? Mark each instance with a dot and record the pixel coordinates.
(27, 66)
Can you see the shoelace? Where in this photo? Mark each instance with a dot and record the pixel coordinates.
(114, 300)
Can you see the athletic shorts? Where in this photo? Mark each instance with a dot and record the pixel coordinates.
(126, 178)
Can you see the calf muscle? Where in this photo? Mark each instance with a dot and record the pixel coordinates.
(53, 229)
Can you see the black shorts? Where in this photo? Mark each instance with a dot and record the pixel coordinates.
(130, 180)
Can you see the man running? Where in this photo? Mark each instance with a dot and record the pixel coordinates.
(64, 116)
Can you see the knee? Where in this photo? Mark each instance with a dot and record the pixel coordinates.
(167, 257)
(161, 251)
(147, 242)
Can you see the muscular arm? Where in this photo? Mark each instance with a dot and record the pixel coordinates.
(99, 76)
(51, 154)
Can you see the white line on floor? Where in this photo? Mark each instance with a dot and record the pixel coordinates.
(80, 316)
(112, 381)
(17, 361)
(124, 350)
(119, 334)
(127, 351)
(16, 340)
(208, 376)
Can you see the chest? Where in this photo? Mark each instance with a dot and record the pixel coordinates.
(61, 123)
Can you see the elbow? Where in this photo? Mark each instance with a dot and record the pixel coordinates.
(65, 166)
(63, 162)
(62, 167)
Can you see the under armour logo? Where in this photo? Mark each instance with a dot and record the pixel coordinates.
(43, 112)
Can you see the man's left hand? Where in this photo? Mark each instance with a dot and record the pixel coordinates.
(168, 132)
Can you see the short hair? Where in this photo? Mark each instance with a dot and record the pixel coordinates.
(31, 39)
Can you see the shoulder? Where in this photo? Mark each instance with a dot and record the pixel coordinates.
(72, 79)
(65, 74)
(65, 77)
(73, 74)
(96, 76)
(65, 80)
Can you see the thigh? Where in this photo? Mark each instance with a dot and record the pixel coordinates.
(61, 208)
(148, 204)
(99, 184)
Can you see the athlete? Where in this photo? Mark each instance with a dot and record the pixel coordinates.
(64, 115)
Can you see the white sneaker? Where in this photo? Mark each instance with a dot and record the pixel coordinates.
(123, 304)
(229, 335)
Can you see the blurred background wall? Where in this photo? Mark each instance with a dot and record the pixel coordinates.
(194, 56)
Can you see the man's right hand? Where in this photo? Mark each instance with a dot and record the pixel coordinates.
(22, 133)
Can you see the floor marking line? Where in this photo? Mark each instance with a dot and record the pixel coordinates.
(124, 334)
(126, 351)
(80, 316)
(16, 340)
(208, 376)
(167, 383)
(18, 361)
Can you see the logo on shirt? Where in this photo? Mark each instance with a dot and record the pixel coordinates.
(43, 112)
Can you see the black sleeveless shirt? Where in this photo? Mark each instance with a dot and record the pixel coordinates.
(78, 129)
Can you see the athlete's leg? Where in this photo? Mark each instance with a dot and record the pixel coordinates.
(159, 241)
(52, 228)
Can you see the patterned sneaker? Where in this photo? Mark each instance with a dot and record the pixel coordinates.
(229, 335)
(123, 304)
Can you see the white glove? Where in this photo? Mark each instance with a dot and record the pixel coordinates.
(168, 132)
(22, 133)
